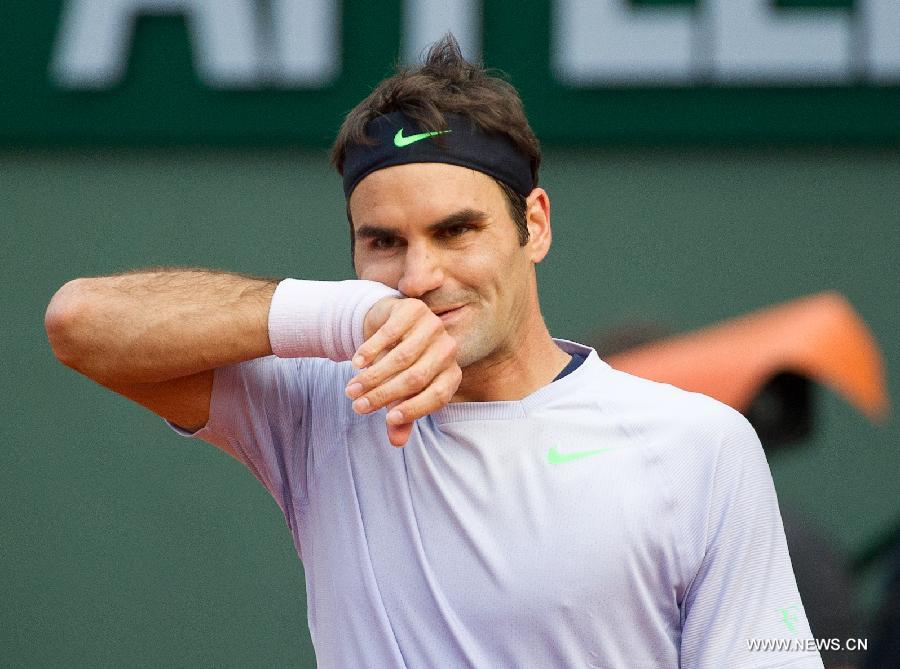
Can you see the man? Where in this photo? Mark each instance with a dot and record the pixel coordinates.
(545, 510)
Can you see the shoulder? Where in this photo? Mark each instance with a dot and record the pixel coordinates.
(648, 407)
(695, 441)
(655, 415)
(708, 458)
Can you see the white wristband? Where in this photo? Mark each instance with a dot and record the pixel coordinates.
(321, 319)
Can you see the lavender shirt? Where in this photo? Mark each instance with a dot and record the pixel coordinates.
(602, 521)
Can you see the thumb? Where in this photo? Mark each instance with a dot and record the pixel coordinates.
(377, 315)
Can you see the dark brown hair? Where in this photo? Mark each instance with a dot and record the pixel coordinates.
(446, 83)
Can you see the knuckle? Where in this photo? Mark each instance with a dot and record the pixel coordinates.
(391, 331)
(376, 398)
(425, 319)
(403, 357)
(453, 382)
(443, 394)
(416, 379)
(371, 377)
(430, 319)
(413, 306)
(367, 380)
(411, 410)
(452, 347)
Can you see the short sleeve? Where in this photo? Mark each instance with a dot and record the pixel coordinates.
(742, 608)
(258, 411)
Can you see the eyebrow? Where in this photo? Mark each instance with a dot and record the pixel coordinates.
(459, 217)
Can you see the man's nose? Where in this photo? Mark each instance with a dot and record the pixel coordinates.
(422, 272)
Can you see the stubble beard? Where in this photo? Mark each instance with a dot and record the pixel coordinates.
(480, 342)
(472, 340)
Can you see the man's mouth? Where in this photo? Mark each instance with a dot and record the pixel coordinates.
(448, 312)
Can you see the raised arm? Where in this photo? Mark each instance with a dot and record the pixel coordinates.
(156, 336)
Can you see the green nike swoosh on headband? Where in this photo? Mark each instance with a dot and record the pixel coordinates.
(400, 141)
(554, 457)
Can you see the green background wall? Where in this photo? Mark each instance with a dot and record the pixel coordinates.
(123, 545)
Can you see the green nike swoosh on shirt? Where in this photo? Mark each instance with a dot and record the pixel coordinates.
(554, 457)
(400, 141)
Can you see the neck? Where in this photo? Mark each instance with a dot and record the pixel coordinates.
(516, 371)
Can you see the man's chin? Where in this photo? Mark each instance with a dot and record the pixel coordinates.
(472, 344)
(465, 356)
(471, 350)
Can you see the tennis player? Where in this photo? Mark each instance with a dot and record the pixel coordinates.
(545, 510)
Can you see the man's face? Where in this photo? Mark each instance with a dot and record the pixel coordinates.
(443, 234)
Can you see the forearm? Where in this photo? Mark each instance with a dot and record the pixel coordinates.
(156, 325)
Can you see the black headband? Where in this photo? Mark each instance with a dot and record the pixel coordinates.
(400, 140)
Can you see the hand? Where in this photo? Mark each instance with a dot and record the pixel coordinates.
(408, 364)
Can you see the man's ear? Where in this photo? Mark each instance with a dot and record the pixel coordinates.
(537, 217)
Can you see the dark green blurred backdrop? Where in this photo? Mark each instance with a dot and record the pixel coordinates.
(123, 545)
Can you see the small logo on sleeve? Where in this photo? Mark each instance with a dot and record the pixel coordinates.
(789, 616)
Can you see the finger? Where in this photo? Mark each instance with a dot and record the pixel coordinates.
(398, 435)
(408, 382)
(432, 398)
(391, 331)
(412, 349)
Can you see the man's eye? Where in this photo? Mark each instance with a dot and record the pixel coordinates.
(383, 243)
(457, 230)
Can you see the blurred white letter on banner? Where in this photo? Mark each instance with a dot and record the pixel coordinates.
(95, 38)
(881, 34)
(426, 21)
(608, 41)
(307, 41)
(756, 42)
(233, 46)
